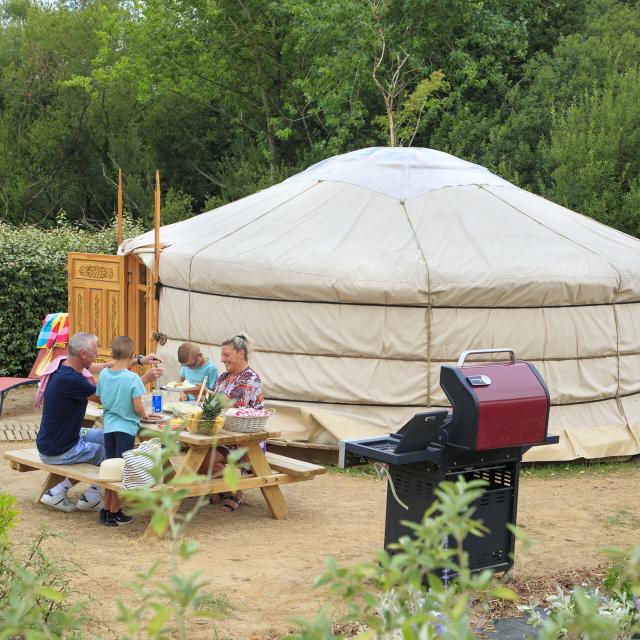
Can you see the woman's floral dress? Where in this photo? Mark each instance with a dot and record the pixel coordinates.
(245, 388)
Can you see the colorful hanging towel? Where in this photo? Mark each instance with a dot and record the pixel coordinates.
(61, 329)
(54, 331)
(45, 332)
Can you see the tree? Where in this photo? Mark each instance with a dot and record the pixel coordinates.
(550, 83)
(594, 153)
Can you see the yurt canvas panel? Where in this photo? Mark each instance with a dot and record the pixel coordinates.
(489, 254)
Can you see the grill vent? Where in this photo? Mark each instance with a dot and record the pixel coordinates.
(402, 483)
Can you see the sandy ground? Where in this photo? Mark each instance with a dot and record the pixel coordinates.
(18, 406)
(266, 567)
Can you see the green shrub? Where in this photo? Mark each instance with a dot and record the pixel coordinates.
(35, 595)
(584, 612)
(33, 281)
(8, 515)
(37, 601)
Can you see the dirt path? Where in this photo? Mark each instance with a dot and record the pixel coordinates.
(266, 567)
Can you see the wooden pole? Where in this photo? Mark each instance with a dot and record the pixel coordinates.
(119, 207)
(156, 253)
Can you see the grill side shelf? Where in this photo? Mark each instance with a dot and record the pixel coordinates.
(381, 450)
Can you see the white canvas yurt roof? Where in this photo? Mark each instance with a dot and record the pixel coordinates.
(359, 277)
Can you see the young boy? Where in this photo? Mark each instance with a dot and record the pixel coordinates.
(120, 392)
(195, 366)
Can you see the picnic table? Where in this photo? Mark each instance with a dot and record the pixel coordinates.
(268, 470)
(92, 414)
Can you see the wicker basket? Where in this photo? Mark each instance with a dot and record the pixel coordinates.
(247, 424)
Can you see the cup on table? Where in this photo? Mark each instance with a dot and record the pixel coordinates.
(147, 403)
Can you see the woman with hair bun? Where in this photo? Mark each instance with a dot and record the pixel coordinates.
(239, 382)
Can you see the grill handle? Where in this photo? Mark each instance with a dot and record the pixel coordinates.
(464, 354)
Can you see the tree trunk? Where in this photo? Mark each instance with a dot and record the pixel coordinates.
(275, 155)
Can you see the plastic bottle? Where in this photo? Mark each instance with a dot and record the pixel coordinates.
(156, 399)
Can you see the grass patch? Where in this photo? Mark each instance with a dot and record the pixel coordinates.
(621, 518)
(218, 605)
(365, 470)
(563, 469)
(528, 469)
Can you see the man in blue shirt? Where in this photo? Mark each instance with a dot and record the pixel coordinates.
(61, 438)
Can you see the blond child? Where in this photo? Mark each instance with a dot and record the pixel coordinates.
(195, 366)
(120, 392)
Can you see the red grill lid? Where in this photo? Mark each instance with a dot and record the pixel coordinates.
(496, 405)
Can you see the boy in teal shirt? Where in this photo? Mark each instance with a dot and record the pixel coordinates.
(195, 366)
(120, 392)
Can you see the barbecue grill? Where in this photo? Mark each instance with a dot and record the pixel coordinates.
(499, 409)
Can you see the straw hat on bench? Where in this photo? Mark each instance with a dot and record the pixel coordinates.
(111, 470)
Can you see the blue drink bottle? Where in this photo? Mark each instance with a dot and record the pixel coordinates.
(156, 400)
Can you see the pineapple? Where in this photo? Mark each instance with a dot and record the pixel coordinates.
(193, 419)
(212, 407)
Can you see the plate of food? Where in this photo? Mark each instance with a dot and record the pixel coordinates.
(182, 386)
(180, 409)
(155, 418)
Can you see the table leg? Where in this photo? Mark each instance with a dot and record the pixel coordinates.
(50, 481)
(272, 495)
(192, 461)
(189, 466)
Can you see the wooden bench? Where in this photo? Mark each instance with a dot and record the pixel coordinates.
(29, 460)
(293, 467)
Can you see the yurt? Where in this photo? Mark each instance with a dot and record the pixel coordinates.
(359, 277)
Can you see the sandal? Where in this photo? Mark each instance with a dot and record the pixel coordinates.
(230, 503)
(215, 498)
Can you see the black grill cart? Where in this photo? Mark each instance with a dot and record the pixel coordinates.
(498, 411)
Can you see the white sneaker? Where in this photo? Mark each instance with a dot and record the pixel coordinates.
(60, 501)
(89, 505)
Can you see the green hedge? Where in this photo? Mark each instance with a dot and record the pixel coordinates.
(33, 282)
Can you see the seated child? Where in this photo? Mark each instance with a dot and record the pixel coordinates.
(120, 392)
(195, 366)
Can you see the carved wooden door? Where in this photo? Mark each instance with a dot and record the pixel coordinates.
(97, 297)
(110, 296)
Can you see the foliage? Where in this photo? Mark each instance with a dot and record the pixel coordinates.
(549, 470)
(400, 595)
(584, 612)
(8, 515)
(594, 153)
(177, 205)
(33, 281)
(554, 133)
(365, 470)
(34, 591)
(229, 97)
